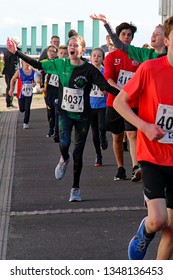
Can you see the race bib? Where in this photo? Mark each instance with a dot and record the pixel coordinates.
(27, 89)
(164, 119)
(73, 100)
(54, 80)
(124, 77)
(96, 92)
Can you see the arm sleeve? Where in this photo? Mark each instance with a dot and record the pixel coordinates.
(101, 82)
(117, 42)
(33, 62)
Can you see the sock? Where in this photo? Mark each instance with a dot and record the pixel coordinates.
(149, 235)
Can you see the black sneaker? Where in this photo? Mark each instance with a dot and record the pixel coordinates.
(121, 174)
(136, 174)
(50, 133)
(56, 139)
(98, 161)
(103, 143)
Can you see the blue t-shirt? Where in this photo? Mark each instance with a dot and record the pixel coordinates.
(97, 98)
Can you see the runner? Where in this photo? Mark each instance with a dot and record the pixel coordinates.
(76, 77)
(152, 87)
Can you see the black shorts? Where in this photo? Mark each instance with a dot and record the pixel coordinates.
(114, 121)
(157, 182)
(129, 126)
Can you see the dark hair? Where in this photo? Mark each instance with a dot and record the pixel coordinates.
(54, 36)
(52, 46)
(71, 33)
(125, 25)
(98, 49)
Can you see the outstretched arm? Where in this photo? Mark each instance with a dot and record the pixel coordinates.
(11, 46)
(117, 42)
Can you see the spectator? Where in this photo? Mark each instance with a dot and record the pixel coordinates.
(11, 64)
(55, 41)
(105, 47)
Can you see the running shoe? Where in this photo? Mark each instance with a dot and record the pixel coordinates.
(98, 161)
(61, 168)
(75, 195)
(121, 174)
(136, 174)
(139, 244)
(103, 143)
(50, 133)
(25, 125)
(56, 139)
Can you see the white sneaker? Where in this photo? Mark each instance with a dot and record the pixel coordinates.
(61, 168)
(75, 195)
(25, 125)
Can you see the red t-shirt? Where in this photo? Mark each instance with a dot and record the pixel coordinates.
(152, 85)
(119, 68)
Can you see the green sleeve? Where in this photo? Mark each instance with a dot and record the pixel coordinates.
(141, 54)
(51, 66)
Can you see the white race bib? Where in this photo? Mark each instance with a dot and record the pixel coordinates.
(96, 92)
(73, 100)
(164, 119)
(27, 89)
(123, 77)
(54, 80)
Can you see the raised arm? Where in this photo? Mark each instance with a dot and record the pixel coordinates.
(11, 46)
(117, 42)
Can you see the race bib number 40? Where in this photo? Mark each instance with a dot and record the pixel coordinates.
(164, 119)
(73, 100)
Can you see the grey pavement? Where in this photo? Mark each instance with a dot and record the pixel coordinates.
(37, 222)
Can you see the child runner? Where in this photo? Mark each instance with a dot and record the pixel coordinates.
(49, 87)
(98, 109)
(118, 69)
(25, 77)
(76, 79)
(152, 87)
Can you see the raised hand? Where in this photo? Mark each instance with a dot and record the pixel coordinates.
(99, 17)
(11, 46)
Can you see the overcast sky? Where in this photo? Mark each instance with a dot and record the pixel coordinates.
(17, 14)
